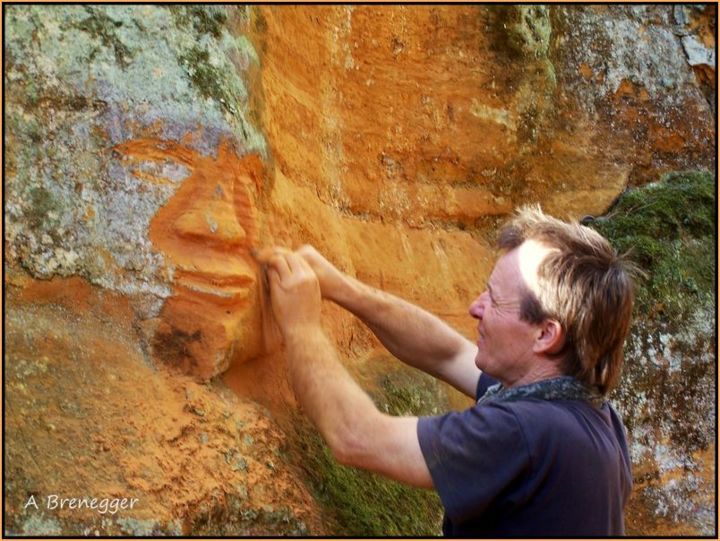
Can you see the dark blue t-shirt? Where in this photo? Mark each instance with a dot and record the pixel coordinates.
(529, 468)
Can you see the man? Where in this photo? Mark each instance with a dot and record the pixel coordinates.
(541, 453)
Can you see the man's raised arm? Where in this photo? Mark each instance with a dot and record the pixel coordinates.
(358, 434)
(413, 335)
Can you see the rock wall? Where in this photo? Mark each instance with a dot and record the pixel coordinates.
(150, 149)
(668, 396)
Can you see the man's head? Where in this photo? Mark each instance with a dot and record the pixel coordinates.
(566, 297)
(512, 349)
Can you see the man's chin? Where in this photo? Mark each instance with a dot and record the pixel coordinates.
(481, 363)
(478, 362)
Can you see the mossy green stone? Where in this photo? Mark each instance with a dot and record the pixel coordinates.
(366, 504)
(669, 229)
(666, 393)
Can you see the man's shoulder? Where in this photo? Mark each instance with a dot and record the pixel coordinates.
(564, 424)
(540, 412)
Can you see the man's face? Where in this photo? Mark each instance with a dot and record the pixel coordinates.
(505, 342)
(205, 233)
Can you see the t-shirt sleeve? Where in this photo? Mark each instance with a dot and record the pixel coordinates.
(475, 457)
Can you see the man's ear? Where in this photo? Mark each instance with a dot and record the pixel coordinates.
(550, 338)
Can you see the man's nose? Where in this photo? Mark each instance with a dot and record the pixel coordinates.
(477, 308)
(214, 219)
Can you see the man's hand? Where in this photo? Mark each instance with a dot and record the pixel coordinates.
(358, 434)
(330, 278)
(294, 290)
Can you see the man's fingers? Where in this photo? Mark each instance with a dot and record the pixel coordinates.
(273, 278)
(274, 257)
(265, 254)
(298, 264)
(283, 260)
(278, 262)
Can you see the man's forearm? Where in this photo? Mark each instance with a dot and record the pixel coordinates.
(332, 400)
(356, 432)
(412, 334)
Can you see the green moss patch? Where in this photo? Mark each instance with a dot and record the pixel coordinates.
(212, 82)
(231, 516)
(212, 78)
(42, 204)
(359, 503)
(407, 391)
(668, 228)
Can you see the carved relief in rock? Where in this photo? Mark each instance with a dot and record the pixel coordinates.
(205, 233)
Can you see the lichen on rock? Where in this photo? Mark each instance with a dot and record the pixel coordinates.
(528, 29)
(667, 395)
(81, 79)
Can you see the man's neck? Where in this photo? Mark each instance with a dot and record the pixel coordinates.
(538, 372)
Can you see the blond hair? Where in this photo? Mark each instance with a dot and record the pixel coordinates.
(584, 285)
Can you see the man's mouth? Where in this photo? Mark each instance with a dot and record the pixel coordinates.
(229, 287)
